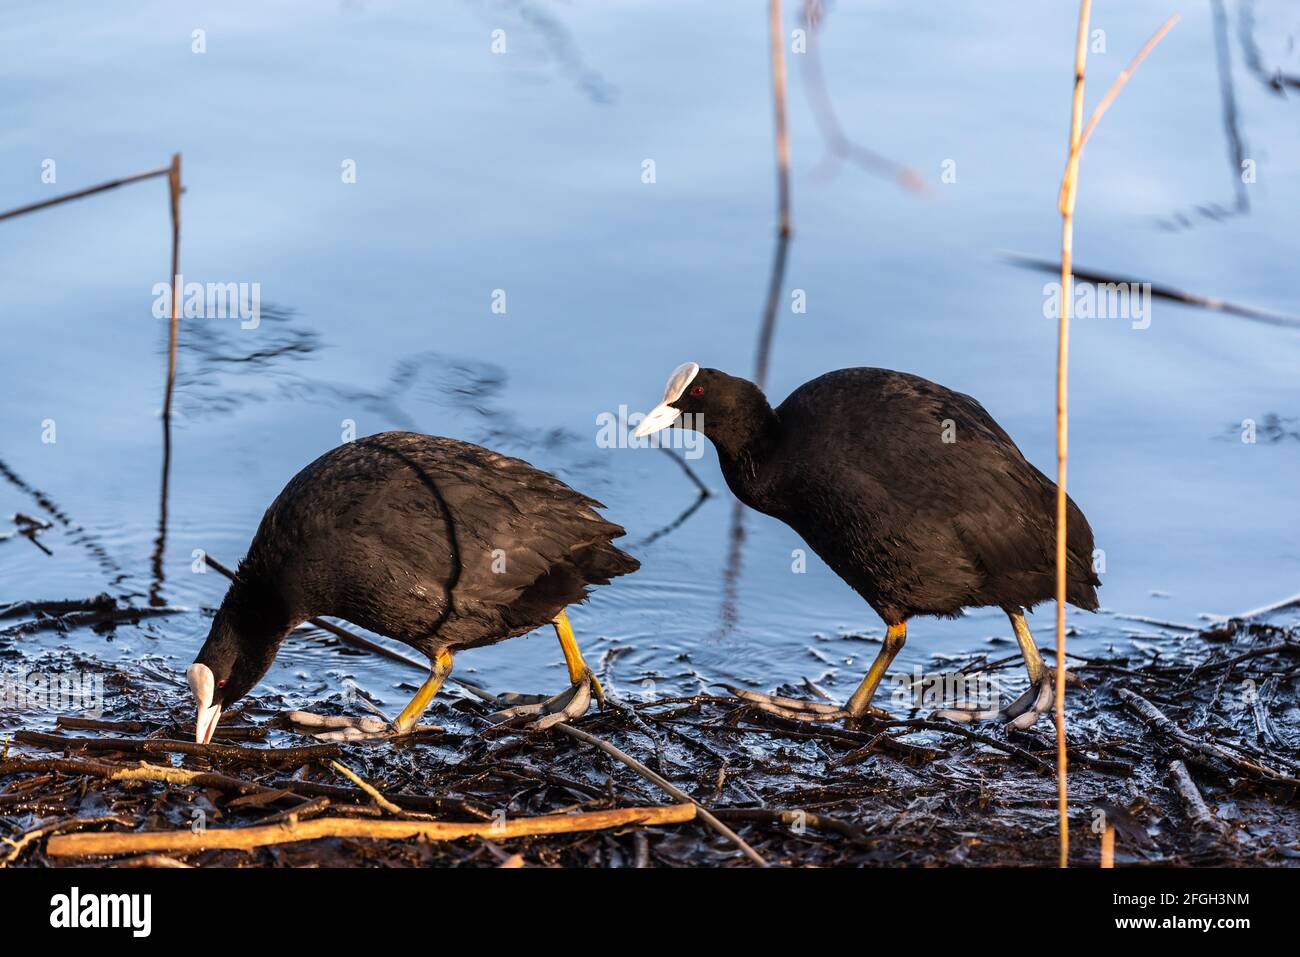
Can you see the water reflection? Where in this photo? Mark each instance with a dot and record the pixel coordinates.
(156, 563)
(224, 367)
(77, 534)
(1237, 161)
(1273, 79)
(527, 167)
(556, 39)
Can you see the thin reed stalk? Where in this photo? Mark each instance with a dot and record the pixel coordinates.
(81, 193)
(1107, 852)
(1069, 192)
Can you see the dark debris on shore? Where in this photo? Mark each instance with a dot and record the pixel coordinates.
(1189, 748)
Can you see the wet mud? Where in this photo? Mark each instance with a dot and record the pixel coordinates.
(1187, 748)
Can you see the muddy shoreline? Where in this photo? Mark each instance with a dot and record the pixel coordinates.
(1189, 749)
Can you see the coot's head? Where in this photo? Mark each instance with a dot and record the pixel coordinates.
(227, 667)
(729, 410)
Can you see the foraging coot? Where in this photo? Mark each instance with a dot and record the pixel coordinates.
(908, 490)
(437, 543)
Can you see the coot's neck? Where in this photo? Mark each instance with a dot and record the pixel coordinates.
(255, 614)
(745, 435)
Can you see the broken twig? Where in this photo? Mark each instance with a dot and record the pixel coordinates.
(247, 838)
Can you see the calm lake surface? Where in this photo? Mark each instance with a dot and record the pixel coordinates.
(523, 172)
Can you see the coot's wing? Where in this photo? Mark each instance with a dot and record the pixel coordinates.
(1008, 523)
(418, 516)
(933, 497)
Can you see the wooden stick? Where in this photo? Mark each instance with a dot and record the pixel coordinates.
(1285, 603)
(792, 816)
(231, 785)
(1259, 707)
(1190, 796)
(970, 734)
(1156, 719)
(19, 843)
(247, 838)
(69, 197)
(152, 860)
(308, 808)
(141, 772)
(369, 788)
(92, 724)
(66, 722)
(409, 802)
(260, 756)
(662, 783)
(350, 637)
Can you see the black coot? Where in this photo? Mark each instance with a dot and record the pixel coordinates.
(437, 543)
(909, 491)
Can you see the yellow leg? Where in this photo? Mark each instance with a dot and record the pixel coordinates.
(578, 669)
(1028, 647)
(895, 635)
(437, 675)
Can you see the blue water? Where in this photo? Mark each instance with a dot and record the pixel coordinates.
(522, 172)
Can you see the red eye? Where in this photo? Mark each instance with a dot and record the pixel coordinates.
(221, 683)
(698, 390)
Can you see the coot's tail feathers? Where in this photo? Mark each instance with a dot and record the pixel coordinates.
(600, 561)
(1081, 569)
(1025, 587)
(1081, 579)
(567, 582)
(1081, 592)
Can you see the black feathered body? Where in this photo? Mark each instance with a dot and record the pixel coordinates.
(913, 495)
(431, 541)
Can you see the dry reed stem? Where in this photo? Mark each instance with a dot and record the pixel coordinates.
(247, 838)
(369, 788)
(1108, 846)
(89, 191)
(1124, 75)
(1066, 202)
(1069, 190)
